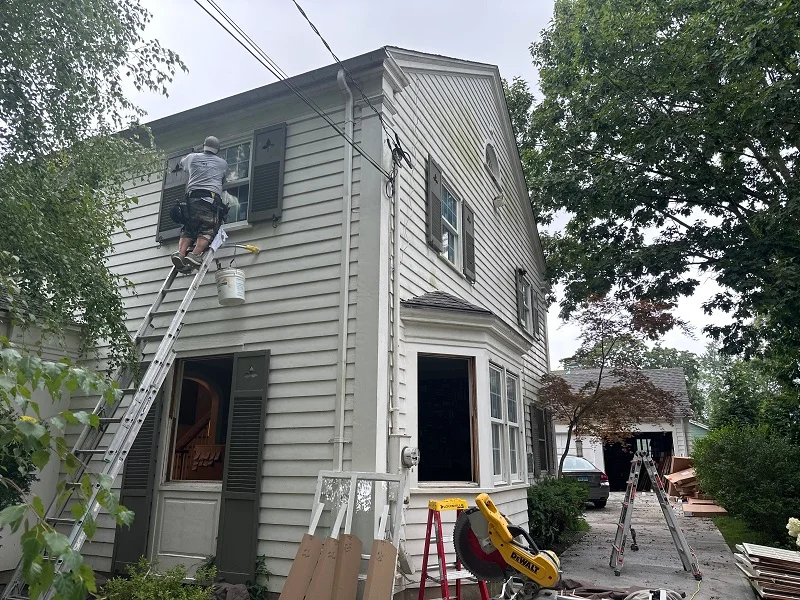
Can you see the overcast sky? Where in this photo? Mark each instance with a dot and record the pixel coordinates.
(498, 32)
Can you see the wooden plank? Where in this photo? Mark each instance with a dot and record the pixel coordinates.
(699, 501)
(703, 510)
(680, 463)
(756, 551)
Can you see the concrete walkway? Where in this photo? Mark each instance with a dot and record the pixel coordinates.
(657, 563)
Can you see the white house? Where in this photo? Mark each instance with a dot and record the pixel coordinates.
(659, 437)
(379, 315)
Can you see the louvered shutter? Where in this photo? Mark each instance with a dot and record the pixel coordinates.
(138, 484)
(520, 291)
(469, 243)
(173, 189)
(237, 535)
(535, 309)
(433, 201)
(266, 183)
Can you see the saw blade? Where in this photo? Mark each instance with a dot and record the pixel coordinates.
(487, 566)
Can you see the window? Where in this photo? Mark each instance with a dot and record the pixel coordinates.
(527, 315)
(445, 433)
(540, 434)
(450, 226)
(237, 186)
(504, 414)
(492, 164)
(199, 420)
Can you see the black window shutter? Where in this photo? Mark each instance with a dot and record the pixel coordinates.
(172, 190)
(138, 483)
(535, 310)
(469, 243)
(266, 183)
(433, 200)
(520, 290)
(537, 459)
(237, 535)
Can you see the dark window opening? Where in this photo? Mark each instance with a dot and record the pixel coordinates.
(199, 419)
(445, 416)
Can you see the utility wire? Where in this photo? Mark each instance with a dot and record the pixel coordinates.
(346, 70)
(273, 68)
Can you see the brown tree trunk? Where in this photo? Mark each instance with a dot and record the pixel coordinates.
(566, 450)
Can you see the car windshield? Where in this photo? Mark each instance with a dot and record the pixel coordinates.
(576, 463)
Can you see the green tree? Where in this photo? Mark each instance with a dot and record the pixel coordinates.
(63, 169)
(617, 395)
(69, 143)
(667, 133)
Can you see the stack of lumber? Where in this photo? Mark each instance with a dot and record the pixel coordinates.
(773, 573)
(682, 482)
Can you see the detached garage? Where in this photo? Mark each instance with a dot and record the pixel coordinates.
(662, 439)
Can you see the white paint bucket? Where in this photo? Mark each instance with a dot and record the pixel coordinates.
(230, 286)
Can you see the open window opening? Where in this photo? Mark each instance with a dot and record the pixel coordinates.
(199, 419)
(446, 419)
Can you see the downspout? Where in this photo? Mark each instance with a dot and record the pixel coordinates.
(347, 209)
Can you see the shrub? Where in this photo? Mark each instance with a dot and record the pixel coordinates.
(753, 473)
(555, 506)
(16, 463)
(145, 583)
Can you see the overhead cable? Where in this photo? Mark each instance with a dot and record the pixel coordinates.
(248, 44)
(346, 70)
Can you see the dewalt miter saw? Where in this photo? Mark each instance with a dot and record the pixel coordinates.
(490, 547)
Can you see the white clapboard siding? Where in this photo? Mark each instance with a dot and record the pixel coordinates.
(292, 309)
(451, 116)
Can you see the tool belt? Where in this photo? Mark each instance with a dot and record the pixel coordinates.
(205, 194)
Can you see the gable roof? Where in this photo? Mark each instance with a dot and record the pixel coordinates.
(671, 380)
(443, 301)
(423, 61)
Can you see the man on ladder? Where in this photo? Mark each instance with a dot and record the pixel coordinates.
(203, 210)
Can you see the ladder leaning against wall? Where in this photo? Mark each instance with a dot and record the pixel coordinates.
(120, 422)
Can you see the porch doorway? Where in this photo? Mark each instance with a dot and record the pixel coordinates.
(446, 418)
(617, 457)
(195, 442)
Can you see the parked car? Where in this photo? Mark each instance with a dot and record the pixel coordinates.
(582, 470)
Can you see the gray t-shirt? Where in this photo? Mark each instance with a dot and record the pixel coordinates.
(206, 171)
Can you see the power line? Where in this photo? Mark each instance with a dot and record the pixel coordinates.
(269, 64)
(346, 70)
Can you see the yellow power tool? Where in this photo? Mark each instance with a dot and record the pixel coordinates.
(495, 550)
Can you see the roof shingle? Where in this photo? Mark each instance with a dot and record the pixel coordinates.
(443, 301)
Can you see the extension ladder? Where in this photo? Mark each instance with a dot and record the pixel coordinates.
(435, 507)
(687, 555)
(128, 424)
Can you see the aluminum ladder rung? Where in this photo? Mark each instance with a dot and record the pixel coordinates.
(130, 424)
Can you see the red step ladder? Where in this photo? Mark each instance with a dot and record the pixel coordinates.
(435, 507)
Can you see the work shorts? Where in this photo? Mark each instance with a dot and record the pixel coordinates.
(202, 221)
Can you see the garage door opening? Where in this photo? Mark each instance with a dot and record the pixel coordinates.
(446, 431)
(618, 458)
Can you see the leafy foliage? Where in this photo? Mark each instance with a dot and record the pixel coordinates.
(554, 507)
(17, 471)
(667, 134)
(617, 395)
(145, 583)
(26, 437)
(259, 590)
(753, 473)
(63, 165)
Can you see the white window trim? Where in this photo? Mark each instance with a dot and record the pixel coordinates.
(506, 477)
(238, 182)
(446, 226)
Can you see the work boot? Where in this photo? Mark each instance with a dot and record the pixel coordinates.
(179, 261)
(193, 260)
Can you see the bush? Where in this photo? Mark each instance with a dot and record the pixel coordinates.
(145, 583)
(16, 463)
(555, 506)
(753, 473)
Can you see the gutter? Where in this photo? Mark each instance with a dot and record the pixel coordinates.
(344, 291)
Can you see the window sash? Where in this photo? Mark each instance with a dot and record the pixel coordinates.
(511, 399)
(496, 393)
(514, 452)
(451, 225)
(497, 451)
